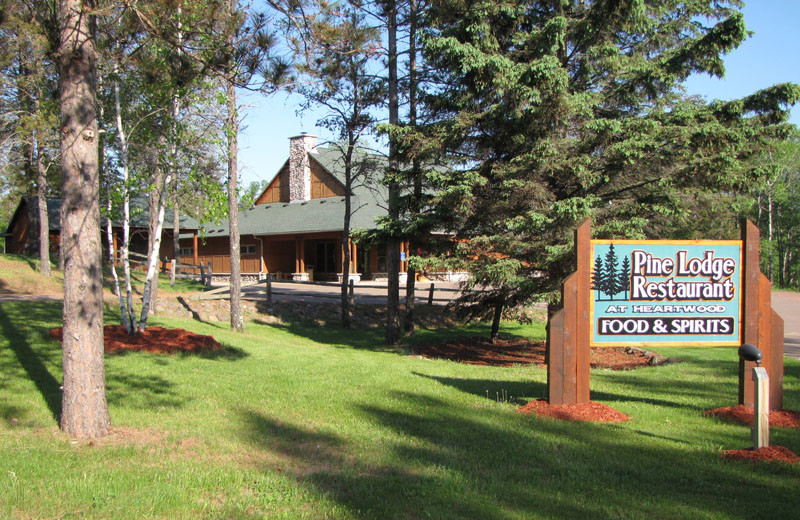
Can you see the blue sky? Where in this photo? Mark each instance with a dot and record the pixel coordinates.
(770, 56)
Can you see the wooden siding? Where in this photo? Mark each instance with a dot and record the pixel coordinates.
(21, 234)
(222, 263)
(279, 256)
(323, 185)
(278, 189)
(24, 239)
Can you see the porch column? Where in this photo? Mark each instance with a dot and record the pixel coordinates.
(299, 257)
(116, 249)
(339, 260)
(302, 255)
(353, 257)
(262, 256)
(194, 248)
(300, 260)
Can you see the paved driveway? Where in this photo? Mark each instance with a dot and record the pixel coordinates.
(787, 305)
(367, 292)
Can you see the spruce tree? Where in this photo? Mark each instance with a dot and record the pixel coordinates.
(554, 111)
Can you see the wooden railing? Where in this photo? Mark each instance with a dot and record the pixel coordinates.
(199, 272)
(269, 292)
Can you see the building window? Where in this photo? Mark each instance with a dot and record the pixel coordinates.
(185, 251)
(247, 250)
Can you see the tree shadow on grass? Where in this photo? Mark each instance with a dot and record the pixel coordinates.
(373, 339)
(226, 353)
(326, 462)
(359, 339)
(37, 371)
(142, 391)
(493, 389)
(437, 459)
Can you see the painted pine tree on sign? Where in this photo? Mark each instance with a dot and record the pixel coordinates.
(610, 276)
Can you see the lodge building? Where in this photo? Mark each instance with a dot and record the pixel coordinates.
(293, 231)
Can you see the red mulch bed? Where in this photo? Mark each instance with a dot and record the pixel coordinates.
(154, 339)
(743, 415)
(591, 411)
(770, 453)
(519, 351)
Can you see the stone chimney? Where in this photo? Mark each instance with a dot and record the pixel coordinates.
(300, 167)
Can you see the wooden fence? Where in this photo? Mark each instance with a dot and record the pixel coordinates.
(198, 272)
(269, 291)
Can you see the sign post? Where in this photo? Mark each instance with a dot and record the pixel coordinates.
(760, 432)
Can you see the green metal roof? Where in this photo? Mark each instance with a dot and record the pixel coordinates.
(312, 216)
(139, 212)
(317, 215)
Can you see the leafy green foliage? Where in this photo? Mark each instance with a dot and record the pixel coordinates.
(777, 194)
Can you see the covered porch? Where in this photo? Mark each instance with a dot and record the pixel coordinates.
(301, 257)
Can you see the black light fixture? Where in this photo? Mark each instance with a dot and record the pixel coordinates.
(750, 352)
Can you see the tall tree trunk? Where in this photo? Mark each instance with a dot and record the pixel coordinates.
(785, 268)
(113, 266)
(232, 127)
(498, 313)
(176, 230)
(44, 218)
(771, 245)
(411, 279)
(126, 206)
(149, 293)
(348, 176)
(155, 200)
(84, 410)
(393, 246)
(173, 157)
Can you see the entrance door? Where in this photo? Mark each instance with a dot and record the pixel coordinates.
(325, 257)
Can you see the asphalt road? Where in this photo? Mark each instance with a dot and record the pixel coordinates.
(787, 305)
(367, 292)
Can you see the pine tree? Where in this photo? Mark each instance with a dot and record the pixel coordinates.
(28, 113)
(84, 410)
(340, 48)
(557, 111)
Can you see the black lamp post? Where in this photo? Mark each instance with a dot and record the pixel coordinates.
(750, 352)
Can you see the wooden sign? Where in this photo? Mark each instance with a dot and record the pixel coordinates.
(666, 293)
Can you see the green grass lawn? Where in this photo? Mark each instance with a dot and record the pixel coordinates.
(182, 285)
(19, 274)
(298, 421)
